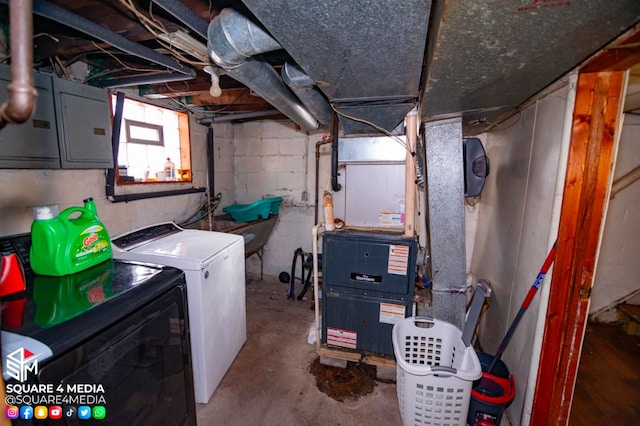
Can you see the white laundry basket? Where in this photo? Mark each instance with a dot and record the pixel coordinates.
(435, 372)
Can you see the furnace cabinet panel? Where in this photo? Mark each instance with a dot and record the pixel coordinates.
(367, 287)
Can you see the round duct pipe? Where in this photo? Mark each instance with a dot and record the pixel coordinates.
(306, 90)
(233, 42)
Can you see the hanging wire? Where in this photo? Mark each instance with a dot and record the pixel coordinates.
(375, 126)
(156, 28)
(4, 58)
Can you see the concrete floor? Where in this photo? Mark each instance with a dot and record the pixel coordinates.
(269, 383)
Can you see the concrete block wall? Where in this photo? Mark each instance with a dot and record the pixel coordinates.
(223, 163)
(273, 158)
(21, 190)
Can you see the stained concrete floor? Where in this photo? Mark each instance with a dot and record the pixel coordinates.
(270, 382)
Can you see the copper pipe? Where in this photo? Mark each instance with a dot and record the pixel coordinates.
(410, 179)
(21, 93)
(324, 141)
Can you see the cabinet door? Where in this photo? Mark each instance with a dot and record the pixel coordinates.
(84, 125)
(34, 143)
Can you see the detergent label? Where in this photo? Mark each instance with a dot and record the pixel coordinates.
(90, 240)
(92, 229)
(93, 240)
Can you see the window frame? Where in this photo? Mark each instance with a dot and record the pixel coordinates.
(134, 123)
(184, 143)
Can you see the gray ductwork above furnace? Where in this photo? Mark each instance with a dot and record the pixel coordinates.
(234, 43)
(366, 57)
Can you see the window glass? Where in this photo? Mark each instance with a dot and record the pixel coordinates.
(151, 135)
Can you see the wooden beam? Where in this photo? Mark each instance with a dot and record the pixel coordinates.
(619, 56)
(228, 97)
(589, 171)
(201, 83)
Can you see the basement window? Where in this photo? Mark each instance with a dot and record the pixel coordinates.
(151, 134)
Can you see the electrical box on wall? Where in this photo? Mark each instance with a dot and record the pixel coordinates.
(70, 127)
(84, 125)
(34, 143)
(367, 287)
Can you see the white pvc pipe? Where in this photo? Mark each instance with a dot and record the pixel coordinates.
(410, 174)
(316, 303)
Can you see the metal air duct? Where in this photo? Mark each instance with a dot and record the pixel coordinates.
(233, 41)
(307, 91)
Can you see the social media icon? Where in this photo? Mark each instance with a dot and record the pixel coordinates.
(55, 412)
(40, 412)
(84, 412)
(12, 412)
(70, 412)
(26, 412)
(99, 412)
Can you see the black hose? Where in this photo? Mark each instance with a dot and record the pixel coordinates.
(308, 262)
(211, 162)
(334, 154)
(297, 253)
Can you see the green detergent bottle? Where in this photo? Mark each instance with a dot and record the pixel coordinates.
(69, 242)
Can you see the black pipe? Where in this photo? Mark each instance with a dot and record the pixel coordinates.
(115, 144)
(211, 165)
(185, 15)
(146, 195)
(137, 80)
(334, 154)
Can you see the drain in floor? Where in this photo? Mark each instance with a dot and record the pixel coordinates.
(352, 382)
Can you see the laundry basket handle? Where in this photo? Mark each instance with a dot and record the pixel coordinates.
(430, 320)
(443, 369)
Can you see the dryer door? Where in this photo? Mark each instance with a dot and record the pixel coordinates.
(138, 371)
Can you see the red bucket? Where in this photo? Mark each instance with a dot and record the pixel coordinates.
(491, 394)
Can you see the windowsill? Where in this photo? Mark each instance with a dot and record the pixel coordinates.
(152, 180)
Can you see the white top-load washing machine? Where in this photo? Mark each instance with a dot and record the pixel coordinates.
(213, 263)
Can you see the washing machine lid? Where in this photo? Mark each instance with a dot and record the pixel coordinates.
(188, 249)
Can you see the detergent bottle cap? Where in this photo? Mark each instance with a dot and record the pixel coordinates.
(45, 212)
(90, 205)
